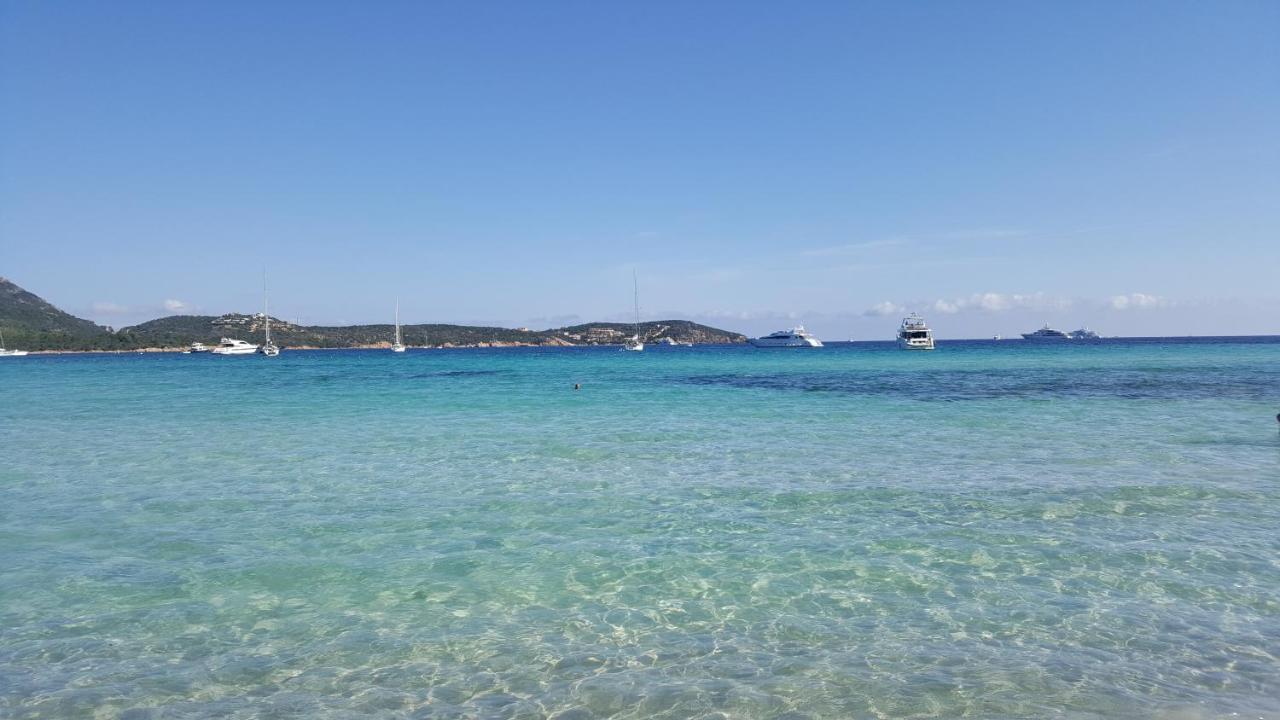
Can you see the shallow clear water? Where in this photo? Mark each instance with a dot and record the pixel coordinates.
(989, 530)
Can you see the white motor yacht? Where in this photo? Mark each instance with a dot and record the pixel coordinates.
(1085, 334)
(794, 337)
(196, 348)
(231, 346)
(914, 334)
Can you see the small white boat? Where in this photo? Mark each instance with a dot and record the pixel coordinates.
(793, 337)
(1084, 334)
(914, 334)
(231, 346)
(268, 348)
(634, 344)
(196, 348)
(9, 353)
(397, 346)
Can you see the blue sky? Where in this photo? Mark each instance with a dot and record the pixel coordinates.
(993, 165)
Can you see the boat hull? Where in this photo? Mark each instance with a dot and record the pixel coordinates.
(926, 344)
(785, 342)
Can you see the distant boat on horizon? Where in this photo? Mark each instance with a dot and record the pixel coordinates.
(268, 348)
(397, 346)
(1085, 334)
(792, 337)
(634, 344)
(1046, 333)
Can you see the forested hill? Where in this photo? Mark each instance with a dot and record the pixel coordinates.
(31, 323)
(22, 310)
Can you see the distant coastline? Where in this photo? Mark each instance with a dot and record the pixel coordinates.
(33, 324)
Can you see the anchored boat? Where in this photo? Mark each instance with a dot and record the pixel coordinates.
(793, 337)
(914, 334)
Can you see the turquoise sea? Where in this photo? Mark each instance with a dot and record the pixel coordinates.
(992, 530)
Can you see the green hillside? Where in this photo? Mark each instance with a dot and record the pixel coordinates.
(31, 323)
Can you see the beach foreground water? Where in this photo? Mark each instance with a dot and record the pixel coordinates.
(989, 530)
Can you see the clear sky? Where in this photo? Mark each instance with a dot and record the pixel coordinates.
(993, 165)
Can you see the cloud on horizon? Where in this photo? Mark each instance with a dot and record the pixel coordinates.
(993, 302)
(1138, 301)
(884, 309)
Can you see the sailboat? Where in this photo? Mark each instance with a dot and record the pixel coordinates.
(398, 346)
(634, 344)
(268, 348)
(9, 353)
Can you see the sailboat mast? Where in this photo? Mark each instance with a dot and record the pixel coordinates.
(397, 322)
(266, 310)
(635, 290)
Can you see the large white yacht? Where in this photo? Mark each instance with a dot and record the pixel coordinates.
(231, 346)
(1046, 333)
(1085, 334)
(795, 337)
(914, 334)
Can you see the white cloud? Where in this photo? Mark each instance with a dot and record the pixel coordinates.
(1138, 301)
(176, 306)
(883, 309)
(991, 302)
